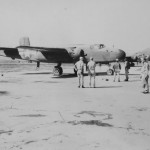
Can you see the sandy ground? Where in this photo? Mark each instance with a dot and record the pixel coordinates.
(41, 112)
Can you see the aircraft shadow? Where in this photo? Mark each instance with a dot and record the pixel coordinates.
(36, 73)
(106, 87)
(132, 80)
(69, 75)
(45, 82)
(129, 74)
(101, 73)
(136, 66)
(65, 75)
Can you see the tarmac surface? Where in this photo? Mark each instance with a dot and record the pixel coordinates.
(42, 112)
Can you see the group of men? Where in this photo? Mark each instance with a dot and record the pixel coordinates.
(79, 67)
(117, 69)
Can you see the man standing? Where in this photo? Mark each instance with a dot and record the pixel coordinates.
(117, 68)
(79, 67)
(127, 67)
(91, 71)
(145, 75)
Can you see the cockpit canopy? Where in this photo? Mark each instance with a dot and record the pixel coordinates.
(99, 46)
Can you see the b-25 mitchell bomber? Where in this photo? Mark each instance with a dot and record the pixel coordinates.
(99, 52)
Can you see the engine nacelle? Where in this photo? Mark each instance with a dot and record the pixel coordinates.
(26, 53)
(75, 53)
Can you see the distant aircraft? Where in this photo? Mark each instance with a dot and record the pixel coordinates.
(136, 57)
(99, 52)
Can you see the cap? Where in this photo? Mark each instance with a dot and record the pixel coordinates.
(91, 58)
(143, 59)
(81, 58)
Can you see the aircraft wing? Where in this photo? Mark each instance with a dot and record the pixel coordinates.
(42, 49)
(9, 52)
(42, 54)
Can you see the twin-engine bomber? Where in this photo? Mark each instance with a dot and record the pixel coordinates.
(100, 53)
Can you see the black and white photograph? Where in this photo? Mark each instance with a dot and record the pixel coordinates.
(74, 74)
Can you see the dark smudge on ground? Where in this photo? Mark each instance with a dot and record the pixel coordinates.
(91, 122)
(141, 108)
(4, 93)
(94, 114)
(31, 115)
(87, 122)
(11, 81)
(29, 142)
(7, 132)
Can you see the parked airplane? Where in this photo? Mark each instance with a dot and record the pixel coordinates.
(136, 57)
(99, 52)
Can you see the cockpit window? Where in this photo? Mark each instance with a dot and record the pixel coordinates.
(99, 46)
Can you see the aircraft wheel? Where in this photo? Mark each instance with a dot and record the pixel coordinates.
(110, 72)
(57, 71)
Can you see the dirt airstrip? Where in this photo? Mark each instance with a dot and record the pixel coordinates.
(42, 112)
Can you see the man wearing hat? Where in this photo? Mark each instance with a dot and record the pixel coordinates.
(79, 67)
(117, 68)
(91, 71)
(127, 67)
(145, 75)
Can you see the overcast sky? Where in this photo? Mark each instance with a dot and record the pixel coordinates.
(122, 23)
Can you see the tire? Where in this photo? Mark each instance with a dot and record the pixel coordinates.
(57, 71)
(110, 72)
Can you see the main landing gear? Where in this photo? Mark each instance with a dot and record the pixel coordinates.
(110, 72)
(57, 70)
(37, 65)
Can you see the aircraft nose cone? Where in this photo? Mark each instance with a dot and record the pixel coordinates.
(121, 54)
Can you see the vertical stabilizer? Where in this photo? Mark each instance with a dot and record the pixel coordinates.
(24, 41)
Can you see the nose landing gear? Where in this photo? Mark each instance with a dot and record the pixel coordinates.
(38, 65)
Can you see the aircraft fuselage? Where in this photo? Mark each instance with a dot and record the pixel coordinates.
(64, 55)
